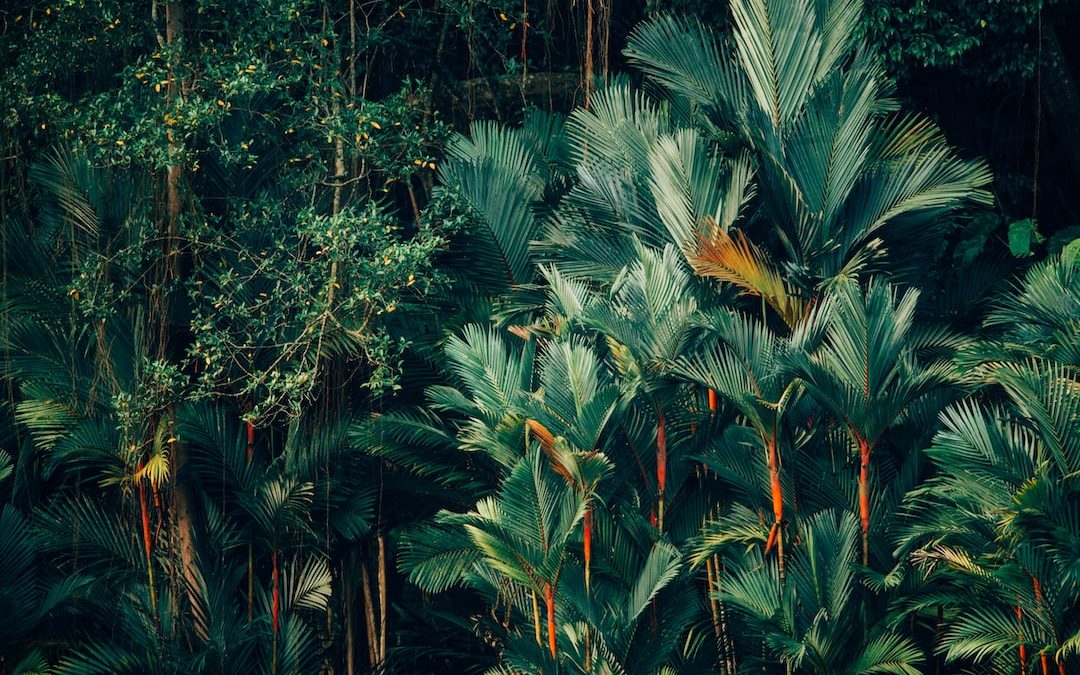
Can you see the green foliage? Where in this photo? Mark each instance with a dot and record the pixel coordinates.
(1023, 237)
(993, 37)
(661, 385)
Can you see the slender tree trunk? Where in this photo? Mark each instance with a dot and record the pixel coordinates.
(144, 510)
(588, 649)
(184, 520)
(536, 619)
(250, 546)
(549, 592)
(776, 489)
(1044, 658)
(174, 29)
(183, 502)
(588, 50)
(864, 498)
(369, 615)
(275, 607)
(724, 643)
(587, 527)
(661, 467)
(726, 638)
(382, 598)
(711, 583)
(1023, 647)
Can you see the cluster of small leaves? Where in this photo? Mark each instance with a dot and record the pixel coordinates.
(282, 297)
(53, 51)
(105, 281)
(398, 137)
(494, 23)
(994, 40)
(160, 384)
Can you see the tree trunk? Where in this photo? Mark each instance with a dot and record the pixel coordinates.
(369, 615)
(275, 608)
(549, 593)
(661, 468)
(776, 489)
(147, 545)
(250, 547)
(710, 584)
(587, 527)
(382, 598)
(1023, 647)
(183, 502)
(536, 619)
(864, 498)
(183, 517)
(726, 640)
(588, 50)
(1044, 658)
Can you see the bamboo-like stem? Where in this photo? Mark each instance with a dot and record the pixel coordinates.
(1044, 657)
(726, 640)
(713, 569)
(710, 581)
(1020, 636)
(275, 607)
(661, 468)
(147, 544)
(864, 497)
(250, 547)
(369, 614)
(588, 649)
(588, 51)
(776, 533)
(536, 619)
(382, 597)
(587, 527)
(549, 592)
(524, 54)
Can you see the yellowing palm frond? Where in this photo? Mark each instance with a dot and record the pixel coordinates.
(731, 257)
(156, 469)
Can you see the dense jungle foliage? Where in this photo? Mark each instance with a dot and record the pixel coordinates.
(575, 336)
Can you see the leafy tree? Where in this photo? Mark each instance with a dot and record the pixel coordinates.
(300, 380)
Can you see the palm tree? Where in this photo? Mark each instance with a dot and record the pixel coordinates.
(813, 623)
(522, 535)
(746, 369)
(865, 371)
(512, 548)
(645, 321)
(841, 172)
(997, 524)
